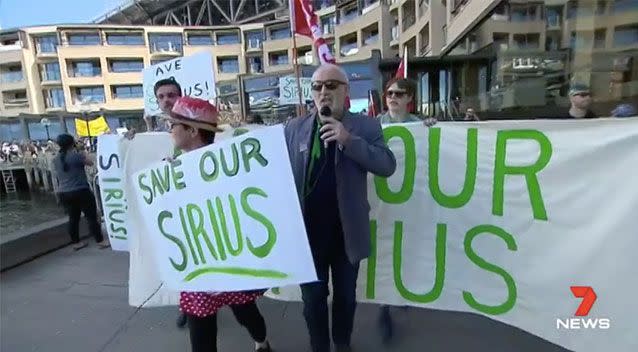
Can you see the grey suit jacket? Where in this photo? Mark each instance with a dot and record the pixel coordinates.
(365, 152)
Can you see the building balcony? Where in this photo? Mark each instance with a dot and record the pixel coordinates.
(15, 103)
(253, 45)
(166, 49)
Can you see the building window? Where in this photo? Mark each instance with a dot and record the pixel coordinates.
(370, 35)
(278, 58)
(228, 64)
(15, 99)
(124, 39)
(89, 94)
(527, 41)
(626, 35)
(227, 38)
(84, 39)
(119, 66)
(254, 39)
(85, 69)
(200, 39)
(349, 45)
(523, 13)
(11, 74)
(554, 17)
(328, 24)
(255, 64)
(622, 6)
(51, 71)
(127, 92)
(47, 44)
(165, 43)
(599, 38)
(348, 14)
(54, 98)
(279, 33)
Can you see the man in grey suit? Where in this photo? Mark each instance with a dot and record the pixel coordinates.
(331, 151)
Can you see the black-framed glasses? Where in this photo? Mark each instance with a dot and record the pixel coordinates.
(317, 86)
(397, 93)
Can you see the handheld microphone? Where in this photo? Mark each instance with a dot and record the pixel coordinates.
(325, 111)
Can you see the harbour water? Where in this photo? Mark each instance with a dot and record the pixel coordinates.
(23, 210)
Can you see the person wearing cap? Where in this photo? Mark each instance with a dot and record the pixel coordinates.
(193, 123)
(580, 99)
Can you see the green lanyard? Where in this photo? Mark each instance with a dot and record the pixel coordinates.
(315, 155)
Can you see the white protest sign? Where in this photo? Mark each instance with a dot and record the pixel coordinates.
(289, 92)
(225, 217)
(110, 167)
(194, 74)
(502, 219)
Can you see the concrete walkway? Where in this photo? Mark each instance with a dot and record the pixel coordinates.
(77, 302)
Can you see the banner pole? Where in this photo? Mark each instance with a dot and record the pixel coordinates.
(295, 55)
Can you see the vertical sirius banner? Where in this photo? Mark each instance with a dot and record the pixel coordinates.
(226, 217)
(110, 166)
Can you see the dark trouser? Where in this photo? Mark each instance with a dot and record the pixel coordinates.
(344, 302)
(203, 331)
(76, 203)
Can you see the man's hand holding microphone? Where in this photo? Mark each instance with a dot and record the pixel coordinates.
(331, 128)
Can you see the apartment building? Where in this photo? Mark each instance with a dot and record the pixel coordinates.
(482, 53)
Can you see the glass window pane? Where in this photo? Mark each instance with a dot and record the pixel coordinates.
(200, 39)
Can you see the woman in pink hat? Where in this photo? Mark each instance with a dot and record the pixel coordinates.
(193, 123)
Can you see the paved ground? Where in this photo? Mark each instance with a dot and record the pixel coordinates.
(77, 302)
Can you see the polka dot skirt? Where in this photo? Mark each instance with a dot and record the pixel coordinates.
(203, 304)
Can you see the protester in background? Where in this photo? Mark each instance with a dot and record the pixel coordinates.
(399, 93)
(470, 115)
(193, 123)
(167, 91)
(624, 110)
(331, 155)
(580, 99)
(74, 191)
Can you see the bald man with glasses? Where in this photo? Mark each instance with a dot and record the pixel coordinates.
(332, 151)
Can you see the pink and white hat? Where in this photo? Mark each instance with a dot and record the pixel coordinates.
(196, 113)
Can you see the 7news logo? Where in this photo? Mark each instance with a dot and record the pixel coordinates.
(580, 322)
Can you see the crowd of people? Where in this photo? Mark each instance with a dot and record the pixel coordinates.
(336, 218)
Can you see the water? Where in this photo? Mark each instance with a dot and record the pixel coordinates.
(22, 210)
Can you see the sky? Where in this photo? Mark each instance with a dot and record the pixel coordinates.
(24, 13)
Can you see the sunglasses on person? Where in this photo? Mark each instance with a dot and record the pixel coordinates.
(396, 93)
(582, 95)
(317, 86)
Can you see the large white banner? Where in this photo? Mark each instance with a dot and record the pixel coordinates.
(194, 74)
(502, 219)
(215, 216)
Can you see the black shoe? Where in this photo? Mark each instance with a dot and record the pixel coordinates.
(264, 349)
(385, 325)
(181, 321)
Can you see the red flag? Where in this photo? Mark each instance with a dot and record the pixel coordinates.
(304, 21)
(402, 71)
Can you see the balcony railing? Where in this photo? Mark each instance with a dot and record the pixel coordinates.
(256, 68)
(11, 77)
(47, 48)
(371, 39)
(52, 104)
(425, 50)
(328, 29)
(167, 47)
(255, 44)
(86, 72)
(16, 103)
(349, 49)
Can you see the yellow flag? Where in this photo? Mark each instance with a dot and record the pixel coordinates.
(96, 127)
